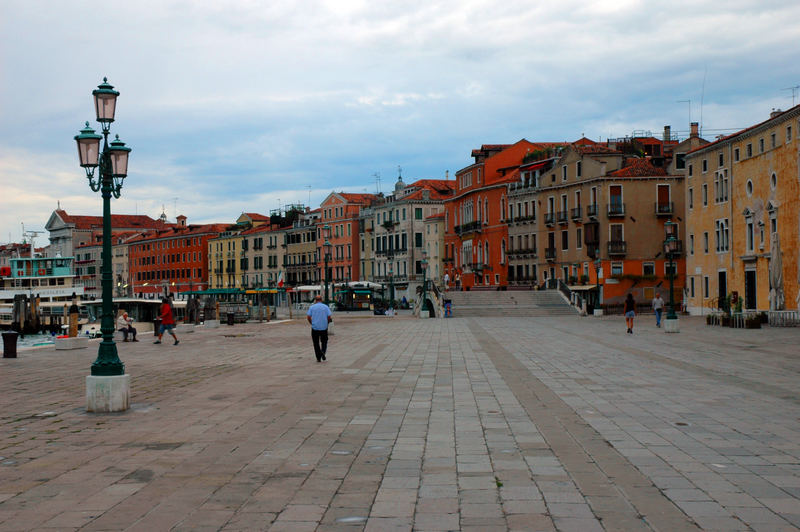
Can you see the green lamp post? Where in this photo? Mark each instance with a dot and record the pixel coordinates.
(671, 250)
(112, 168)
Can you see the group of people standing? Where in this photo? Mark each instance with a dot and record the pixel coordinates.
(630, 310)
(456, 281)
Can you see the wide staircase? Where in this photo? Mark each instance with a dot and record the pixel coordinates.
(518, 303)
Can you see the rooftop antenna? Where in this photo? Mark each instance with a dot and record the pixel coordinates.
(690, 108)
(794, 92)
(702, 97)
(309, 194)
(31, 236)
(377, 176)
(399, 172)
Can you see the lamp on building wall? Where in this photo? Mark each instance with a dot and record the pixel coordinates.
(671, 251)
(108, 371)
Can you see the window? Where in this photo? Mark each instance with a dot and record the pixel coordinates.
(691, 244)
(691, 286)
(721, 235)
(705, 286)
(417, 213)
(691, 198)
(773, 181)
(705, 194)
(648, 268)
(749, 150)
(749, 188)
(788, 133)
(721, 159)
(705, 165)
(773, 140)
(579, 238)
(680, 161)
(760, 145)
(578, 169)
(616, 268)
(564, 173)
(690, 170)
(418, 240)
(736, 154)
(564, 240)
(749, 235)
(705, 242)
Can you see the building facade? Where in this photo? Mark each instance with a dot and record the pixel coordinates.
(340, 212)
(743, 198)
(301, 250)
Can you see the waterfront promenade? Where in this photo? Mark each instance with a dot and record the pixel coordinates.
(562, 423)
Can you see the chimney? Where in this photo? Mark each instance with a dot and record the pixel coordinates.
(667, 133)
(181, 220)
(695, 127)
(774, 113)
(446, 175)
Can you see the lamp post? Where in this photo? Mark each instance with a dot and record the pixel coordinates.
(108, 372)
(671, 248)
(424, 264)
(391, 282)
(326, 230)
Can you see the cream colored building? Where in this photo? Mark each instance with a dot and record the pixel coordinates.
(742, 192)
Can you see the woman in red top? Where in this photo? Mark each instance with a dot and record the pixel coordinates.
(167, 322)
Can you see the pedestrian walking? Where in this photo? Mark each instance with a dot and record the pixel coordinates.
(630, 312)
(458, 281)
(658, 307)
(319, 316)
(167, 321)
(124, 324)
(446, 280)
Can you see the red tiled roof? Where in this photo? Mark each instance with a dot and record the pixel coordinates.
(434, 216)
(596, 149)
(638, 168)
(118, 221)
(189, 230)
(583, 141)
(262, 229)
(358, 198)
(256, 217)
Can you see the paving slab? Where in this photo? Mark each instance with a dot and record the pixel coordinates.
(506, 423)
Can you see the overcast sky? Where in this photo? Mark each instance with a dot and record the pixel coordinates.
(248, 105)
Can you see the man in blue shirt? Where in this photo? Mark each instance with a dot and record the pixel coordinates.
(319, 316)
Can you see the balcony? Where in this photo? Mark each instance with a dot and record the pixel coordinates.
(617, 247)
(562, 217)
(665, 208)
(616, 208)
(591, 210)
(550, 253)
(549, 218)
(677, 249)
(469, 227)
(480, 266)
(576, 214)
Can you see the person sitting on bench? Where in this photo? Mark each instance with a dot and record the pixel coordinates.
(124, 325)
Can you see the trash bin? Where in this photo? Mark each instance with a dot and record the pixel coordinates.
(10, 344)
(156, 326)
(231, 317)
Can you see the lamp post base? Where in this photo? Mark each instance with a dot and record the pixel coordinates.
(671, 325)
(108, 393)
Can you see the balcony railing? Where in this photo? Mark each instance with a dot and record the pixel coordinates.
(591, 210)
(468, 227)
(617, 247)
(575, 213)
(550, 253)
(616, 209)
(562, 217)
(549, 218)
(665, 208)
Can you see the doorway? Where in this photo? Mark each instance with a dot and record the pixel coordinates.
(722, 289)
(750, 290)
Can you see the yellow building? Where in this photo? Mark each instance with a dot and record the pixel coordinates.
(224, 264)
(743, 193)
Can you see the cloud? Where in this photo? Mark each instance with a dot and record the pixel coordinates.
(229, 107)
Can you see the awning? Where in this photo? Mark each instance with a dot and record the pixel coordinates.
(263, 291)
(582, 287)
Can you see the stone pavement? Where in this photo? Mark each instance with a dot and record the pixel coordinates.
(562, 423)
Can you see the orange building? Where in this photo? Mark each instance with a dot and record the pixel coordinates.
(475, 230)
(340, 211)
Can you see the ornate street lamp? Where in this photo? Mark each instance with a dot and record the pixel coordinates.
(326, 233)
(671, 250)
(108, 372)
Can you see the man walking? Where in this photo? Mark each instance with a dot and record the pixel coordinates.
(319, 316)
(658, 307)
